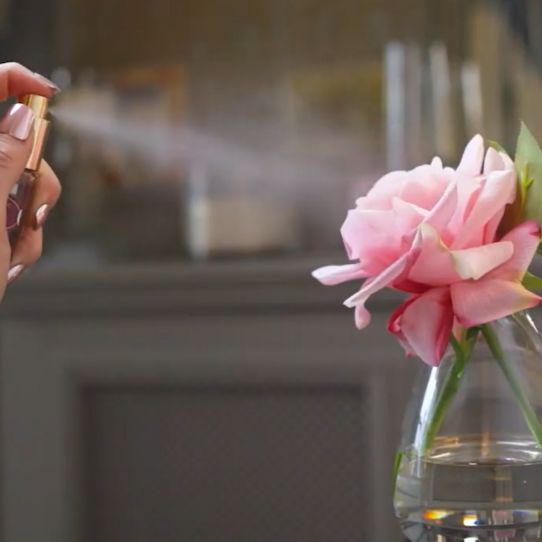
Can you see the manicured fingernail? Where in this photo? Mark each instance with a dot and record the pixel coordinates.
(41, 215)
(14, 272)
(55, 88)
(18, 122)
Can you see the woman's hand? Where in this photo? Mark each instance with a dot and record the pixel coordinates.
(15, 148)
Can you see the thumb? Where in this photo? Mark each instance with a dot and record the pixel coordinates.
(15, 147)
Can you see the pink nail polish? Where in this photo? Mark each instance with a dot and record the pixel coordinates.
(14, 273)
(21, 192)
(18, 122)
(41, 215)
(55, 88)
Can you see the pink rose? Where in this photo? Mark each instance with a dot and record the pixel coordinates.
(432, 232)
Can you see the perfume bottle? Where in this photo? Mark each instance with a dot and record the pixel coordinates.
(21, 193)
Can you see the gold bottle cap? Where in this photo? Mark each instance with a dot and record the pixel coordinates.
(39, 106)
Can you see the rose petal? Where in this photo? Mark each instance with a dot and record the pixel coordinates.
(443, 211)
(474, 263)
(407, 218)
(508, 162)
(380, 195)
(395, 271)
(425, 324)
(377, 237)
(372, 237)
(480, 302)
(362, 317)
(498, 190)
(493, 161)
(468, 190)
(525, 239)
(473, 156)
(394, 325)
(436, 163)
(409, 286)
(490, 231)
(424, 186)
(434, 265)
(331, 275)
(409, 212)
(385, 278)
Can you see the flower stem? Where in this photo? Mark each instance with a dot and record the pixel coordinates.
(447, 393)
(531, 419)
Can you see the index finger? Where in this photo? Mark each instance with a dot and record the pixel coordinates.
(16, 80)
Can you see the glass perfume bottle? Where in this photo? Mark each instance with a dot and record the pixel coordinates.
(21, 193)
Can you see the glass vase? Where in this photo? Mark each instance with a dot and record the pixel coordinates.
(469, 466)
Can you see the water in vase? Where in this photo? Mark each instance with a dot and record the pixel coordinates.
(463, 485)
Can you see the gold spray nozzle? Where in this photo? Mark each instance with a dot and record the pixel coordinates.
(39, 106)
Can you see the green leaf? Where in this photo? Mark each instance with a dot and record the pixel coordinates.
(472, 335)
(396, 467)
(532, 282)
(529, 167)
(527, 150)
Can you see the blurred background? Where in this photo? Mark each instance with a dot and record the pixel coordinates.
(170, 371)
